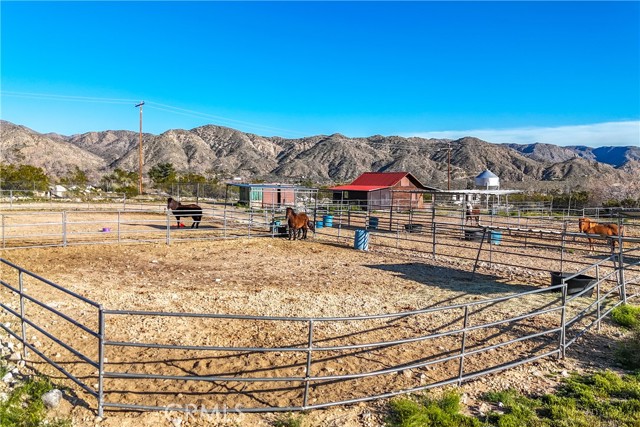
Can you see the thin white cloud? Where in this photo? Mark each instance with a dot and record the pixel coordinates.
(593, 135)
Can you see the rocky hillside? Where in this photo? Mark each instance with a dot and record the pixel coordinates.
(322, 159)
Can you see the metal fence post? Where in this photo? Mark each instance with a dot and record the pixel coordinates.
(3, 238)
(307, 373)
(599, 304)
(464, 343)
(118, 227)
(563, 323)
(623, 290)
(64, 228)
(100, 361)
(22, 322)
(168, 227)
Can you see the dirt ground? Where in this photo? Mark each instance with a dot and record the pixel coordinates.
(276, 277)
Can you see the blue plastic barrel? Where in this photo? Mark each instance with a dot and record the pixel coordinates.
(496, 237)
(328, 220)
(319, 224)
(373, 222)
(275, 225)
(361, 240)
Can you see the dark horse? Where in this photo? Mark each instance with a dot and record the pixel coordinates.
(472, 214)
(180, 210)
(298, 222)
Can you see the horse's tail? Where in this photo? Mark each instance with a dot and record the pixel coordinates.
(311, 226)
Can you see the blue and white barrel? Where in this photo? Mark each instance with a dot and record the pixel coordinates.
(361, 240)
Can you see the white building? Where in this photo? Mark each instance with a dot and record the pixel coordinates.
(488, 180)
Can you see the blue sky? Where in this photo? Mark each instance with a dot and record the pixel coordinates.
(566, 73)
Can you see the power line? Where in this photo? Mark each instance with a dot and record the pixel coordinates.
(66, 97)
(193, 113)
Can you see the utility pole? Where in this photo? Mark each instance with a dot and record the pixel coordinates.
(448, 166)
(140, 151)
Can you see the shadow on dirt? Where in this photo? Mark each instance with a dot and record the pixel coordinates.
(454, 279)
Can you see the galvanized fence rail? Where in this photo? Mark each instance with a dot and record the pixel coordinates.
(566, 319)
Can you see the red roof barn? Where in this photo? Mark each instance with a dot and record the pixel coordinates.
(379, 190)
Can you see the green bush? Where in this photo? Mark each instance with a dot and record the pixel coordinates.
(628, 351)
(24, 406)
(426, 412)
(603, 399)
(626, 315)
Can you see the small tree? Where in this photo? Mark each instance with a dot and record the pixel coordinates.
(76, 177)
(162, 173)
(23, 177)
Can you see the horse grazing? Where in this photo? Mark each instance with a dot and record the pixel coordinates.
(472, 214)
(180, 210)
(298, 222)
(589, 226)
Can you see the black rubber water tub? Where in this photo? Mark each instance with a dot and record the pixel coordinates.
(575, 284)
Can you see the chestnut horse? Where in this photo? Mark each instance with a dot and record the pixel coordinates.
(180, 210)
(298, 222)
(589, 226)
(472, 214)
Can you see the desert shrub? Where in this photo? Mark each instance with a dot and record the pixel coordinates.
(626, 315)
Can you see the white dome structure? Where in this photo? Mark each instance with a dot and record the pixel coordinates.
(488, 180)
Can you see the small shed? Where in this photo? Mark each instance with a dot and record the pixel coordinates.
(380, 190)
(273, 195)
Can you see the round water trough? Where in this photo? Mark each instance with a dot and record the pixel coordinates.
(575, 284)
(319, 224)
(473, 234)
(413, 228)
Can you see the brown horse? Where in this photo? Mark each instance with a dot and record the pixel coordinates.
(589, 226)
(472, 214)
(180, 210)
(298, 222)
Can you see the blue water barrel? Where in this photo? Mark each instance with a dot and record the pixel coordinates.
(328, 220)
(361, 240)
(496, 237)
(319, 224)
(373, 222)
(275, 225)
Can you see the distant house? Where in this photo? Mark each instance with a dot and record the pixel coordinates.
(272, 195)
(380, 190)
(58, 191)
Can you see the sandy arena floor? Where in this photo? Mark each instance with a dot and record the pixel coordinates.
(277, 277)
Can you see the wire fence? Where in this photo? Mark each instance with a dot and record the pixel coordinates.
(456, 343)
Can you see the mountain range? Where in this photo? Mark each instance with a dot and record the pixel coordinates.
(322, 159)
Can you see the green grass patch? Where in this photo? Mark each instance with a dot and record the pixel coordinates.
(24, 406)
(288, 420)
(602, 399)
(626, 315)
(421, 411)
(627, 353)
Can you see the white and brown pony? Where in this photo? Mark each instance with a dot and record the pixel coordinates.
(180, 210)
(472, 214)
